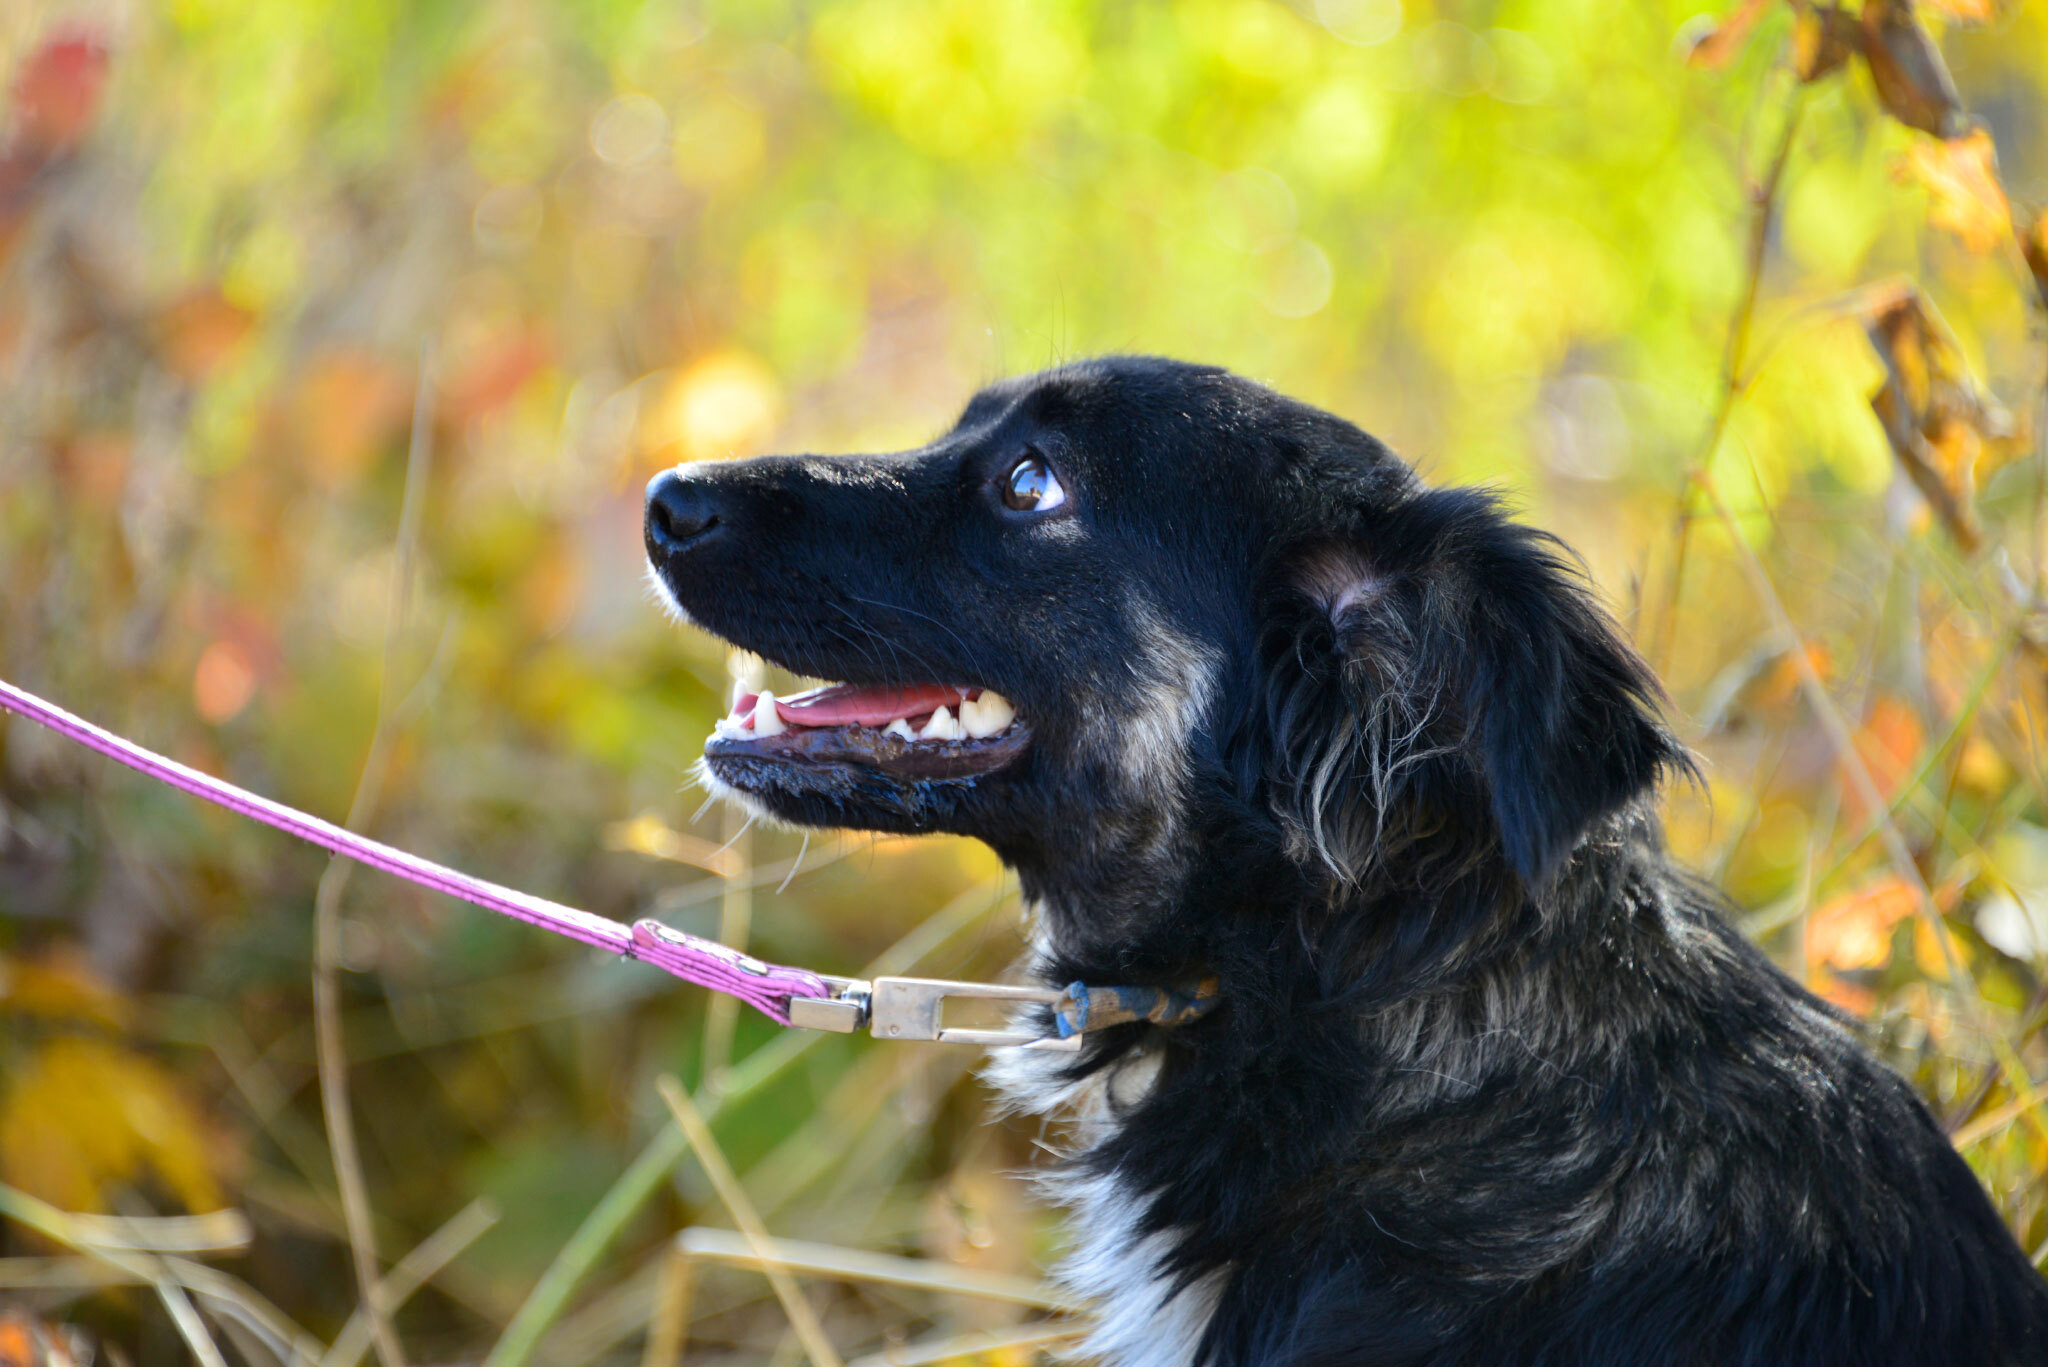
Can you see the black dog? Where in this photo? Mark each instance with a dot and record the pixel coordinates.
(1236, 695)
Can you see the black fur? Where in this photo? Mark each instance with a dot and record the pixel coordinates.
(1494, 1082)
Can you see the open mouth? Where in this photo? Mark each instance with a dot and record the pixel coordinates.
(918, 731)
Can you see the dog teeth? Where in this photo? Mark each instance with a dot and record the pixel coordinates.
(754, 715)
(767, 721)
(986, 715)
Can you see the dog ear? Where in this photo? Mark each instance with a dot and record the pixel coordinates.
(1564, 713)
(1445, 672)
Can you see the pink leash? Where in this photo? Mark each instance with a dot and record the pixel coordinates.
(766, 987)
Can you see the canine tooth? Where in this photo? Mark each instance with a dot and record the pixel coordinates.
(942, 726)
(767, 721)
(986, 715)
(899, 728)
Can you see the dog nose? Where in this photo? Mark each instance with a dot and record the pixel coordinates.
(680, 513)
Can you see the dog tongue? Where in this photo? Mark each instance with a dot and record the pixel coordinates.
(849, 704)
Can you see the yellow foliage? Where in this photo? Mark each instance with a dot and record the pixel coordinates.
(1509, 240)
(81, 1118)
(59, 988)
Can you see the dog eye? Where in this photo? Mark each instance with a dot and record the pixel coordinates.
(1031, 487)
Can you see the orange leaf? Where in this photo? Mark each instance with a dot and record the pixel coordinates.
(28, 1342)
(223, 683)
(1889, 742)
(344, 407)
(1928, 956)
(1854, 931)
(1967, 11)
(1939, 422)
(1963, 193)
(494, 378)
(200, 331)
(1720, 43)
(1906, 66)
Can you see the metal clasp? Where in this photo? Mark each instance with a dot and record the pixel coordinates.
(912, 1009)
(842, 1013)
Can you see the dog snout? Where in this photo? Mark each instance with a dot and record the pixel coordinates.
(682, 513)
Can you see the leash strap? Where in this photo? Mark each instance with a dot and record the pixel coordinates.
(892, 1008)
(766, 987)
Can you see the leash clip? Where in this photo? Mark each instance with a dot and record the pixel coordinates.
(911, 1009)
(842, 1013)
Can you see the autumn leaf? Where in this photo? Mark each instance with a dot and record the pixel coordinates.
(59, 988)
(494, 376)
(1963, 193)
(1889, 742)
(83, 1116)
(1967, 11)
(55, 93)
(1824, 38)
(1944, 429)
(1911, 78)
(1719, 44)
(26, 1341)
(200, 331)
(344, 406)
(57, 90)
(1854, 931)
(1928, 957)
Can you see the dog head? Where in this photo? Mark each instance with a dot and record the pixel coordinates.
(1130, 603)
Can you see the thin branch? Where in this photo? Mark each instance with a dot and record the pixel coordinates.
(981, 1344)
(217, 1231)
(674, 1292)
(802, 1316)
(861, 1265)
(410, 1273)
(57, 1224)
(1836, 729)
(1984, 1126)
(329, 1043)
(637, 1185)
(1734, 360)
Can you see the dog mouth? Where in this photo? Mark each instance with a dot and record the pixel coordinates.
(919, 732)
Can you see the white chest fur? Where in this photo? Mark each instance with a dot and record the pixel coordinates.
(1110, 1265)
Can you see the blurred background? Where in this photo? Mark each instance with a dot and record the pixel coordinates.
(337, 341)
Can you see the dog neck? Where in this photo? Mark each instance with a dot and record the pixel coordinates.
(1338, 1050)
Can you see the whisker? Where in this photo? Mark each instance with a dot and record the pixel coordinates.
(795, 864)
(748, 825)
